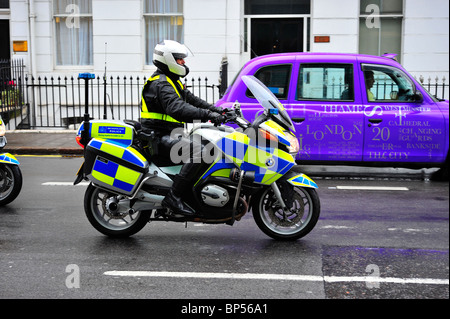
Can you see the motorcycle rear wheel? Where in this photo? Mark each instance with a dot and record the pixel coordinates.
(118, 223)
(293, 224)
(10, 183)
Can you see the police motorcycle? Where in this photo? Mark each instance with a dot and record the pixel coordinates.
(10, 174)
(250, 167)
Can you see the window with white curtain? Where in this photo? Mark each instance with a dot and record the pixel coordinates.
(73, 32)
(163, 20)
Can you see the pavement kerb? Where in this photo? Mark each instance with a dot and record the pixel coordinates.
(40, 132)
(43, 148)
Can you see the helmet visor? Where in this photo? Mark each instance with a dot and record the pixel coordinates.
(185, 52)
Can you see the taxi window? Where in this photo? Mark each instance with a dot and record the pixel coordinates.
(387, 84)
(325, 82)
(276, 78)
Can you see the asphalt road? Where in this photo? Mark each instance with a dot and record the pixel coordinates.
(369, 243)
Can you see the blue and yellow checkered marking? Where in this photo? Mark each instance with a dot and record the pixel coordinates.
(8, 159)
(115, 175)
(268, 164)
(235, 149)
(277, 130)
(221, 167)
(119, 150)
(303, 181)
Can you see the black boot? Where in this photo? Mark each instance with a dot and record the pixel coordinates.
(173, 198)
(175, 203)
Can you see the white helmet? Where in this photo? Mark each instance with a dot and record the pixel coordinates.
(166, 53)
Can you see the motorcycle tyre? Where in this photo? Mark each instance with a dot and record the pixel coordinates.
(315, 213)
(142, 219)
(16, 175)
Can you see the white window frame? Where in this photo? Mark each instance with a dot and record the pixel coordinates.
(381, 16)
(62, 17)
(146, 15)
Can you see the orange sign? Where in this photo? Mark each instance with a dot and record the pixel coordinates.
(322, 39)
(20, 46)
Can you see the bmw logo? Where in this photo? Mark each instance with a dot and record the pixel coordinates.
(270, 162)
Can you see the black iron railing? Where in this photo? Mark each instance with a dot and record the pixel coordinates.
(58, 101)
(12, 91)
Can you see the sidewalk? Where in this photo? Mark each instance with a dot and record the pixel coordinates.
(62, 142)
(42, 142)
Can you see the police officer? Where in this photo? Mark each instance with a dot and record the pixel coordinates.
(167, 105)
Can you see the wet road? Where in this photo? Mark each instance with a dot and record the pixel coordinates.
(376, 238)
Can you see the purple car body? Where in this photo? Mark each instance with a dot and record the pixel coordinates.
(351, 109)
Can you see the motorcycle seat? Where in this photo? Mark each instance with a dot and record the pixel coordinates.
(137, 125)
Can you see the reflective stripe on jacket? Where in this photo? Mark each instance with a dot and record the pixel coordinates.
(146, 114)
(166, 104)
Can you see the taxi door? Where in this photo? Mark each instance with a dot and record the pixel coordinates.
(400, 125)
(326, 110)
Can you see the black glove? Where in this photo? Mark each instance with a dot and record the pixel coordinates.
(230, 115)
(217, 109)
(217, 118)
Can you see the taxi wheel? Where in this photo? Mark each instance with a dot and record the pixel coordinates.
(442, 173)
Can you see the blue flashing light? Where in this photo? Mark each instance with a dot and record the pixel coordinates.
(86, 76)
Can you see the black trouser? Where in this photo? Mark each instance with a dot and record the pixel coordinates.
(187, 151)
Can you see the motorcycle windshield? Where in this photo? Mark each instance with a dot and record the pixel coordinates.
(268, 100)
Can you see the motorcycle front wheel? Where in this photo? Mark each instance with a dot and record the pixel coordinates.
(10, 183)
(105, 212)
(292, 223)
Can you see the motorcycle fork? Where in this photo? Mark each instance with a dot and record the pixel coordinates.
(277, 193)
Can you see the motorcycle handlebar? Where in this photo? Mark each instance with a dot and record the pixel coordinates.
(233, 117)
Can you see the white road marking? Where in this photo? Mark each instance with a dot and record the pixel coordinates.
(210, 275)
(336, 227)
(370, 188)
(411, 230)
(64, 184)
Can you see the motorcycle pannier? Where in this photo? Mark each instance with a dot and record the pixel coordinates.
(114, 166)
(116, 131)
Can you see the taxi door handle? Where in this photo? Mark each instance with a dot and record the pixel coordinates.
(298, 119)
(374, 121)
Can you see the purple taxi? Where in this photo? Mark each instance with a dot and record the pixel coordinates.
(351, 109)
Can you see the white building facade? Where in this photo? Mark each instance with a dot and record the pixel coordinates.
(70, 36)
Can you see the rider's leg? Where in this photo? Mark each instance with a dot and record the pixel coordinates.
(184, 180)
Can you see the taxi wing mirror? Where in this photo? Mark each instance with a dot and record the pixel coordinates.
(417, 96)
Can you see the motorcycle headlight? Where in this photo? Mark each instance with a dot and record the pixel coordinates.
(294, 148)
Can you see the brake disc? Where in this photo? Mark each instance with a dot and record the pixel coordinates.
(287, 217)
(4, 185)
